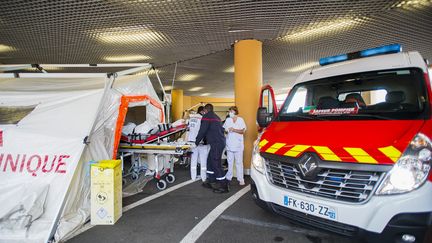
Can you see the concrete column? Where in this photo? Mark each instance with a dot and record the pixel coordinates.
(176, 104)
(247, 86)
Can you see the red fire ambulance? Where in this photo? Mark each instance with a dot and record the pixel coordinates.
(350, 149)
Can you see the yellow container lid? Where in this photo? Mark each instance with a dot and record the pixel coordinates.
(107, 164)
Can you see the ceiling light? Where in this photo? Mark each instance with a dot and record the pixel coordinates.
(52, 68)
(322, 29)
(188, 77)
(133, 34)
(168, 87)
(238, 30)
(229, 69)
(126, 58)
(302, 67)
(196, 89)
(412, 3)
(5, 48)
(233, 30)
(205, 94)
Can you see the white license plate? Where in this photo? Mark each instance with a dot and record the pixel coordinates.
(316, 209)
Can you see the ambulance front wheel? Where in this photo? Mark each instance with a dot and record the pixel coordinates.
(170, 178)
(161, 185)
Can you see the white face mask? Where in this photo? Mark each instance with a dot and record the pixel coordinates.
(231, 114)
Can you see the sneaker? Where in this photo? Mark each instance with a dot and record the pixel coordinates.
(242, 183)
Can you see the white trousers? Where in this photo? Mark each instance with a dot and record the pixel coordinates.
(199, 153)
(236, 156)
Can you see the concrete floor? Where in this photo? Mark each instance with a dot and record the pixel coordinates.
(172, 216)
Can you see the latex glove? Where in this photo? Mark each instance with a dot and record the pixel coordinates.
(191, 144)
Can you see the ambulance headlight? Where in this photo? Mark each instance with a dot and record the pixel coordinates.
(412, 168)
(257, 160)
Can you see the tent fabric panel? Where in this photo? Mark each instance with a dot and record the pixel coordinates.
(40, 155)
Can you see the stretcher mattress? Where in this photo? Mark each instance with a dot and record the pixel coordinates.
(150, 138)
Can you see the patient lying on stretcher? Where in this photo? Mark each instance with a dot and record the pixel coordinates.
(145, 132)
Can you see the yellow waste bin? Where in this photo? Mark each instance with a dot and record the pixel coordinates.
(106, 192)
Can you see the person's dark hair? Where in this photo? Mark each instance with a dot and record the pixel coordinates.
(200, 109)
(208, 107)
(235, 109)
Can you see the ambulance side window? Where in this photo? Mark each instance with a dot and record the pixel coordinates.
(267, 101)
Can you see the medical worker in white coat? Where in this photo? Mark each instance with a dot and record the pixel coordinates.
(235, 127)
(200, 152)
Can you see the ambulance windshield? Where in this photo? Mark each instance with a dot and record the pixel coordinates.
(392, 94)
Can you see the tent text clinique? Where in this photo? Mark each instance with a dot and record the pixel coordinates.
(33, 163)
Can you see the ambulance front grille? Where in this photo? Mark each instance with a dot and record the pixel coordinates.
(344, 185)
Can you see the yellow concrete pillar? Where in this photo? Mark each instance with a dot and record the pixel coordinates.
(247, 86)
(176, 104)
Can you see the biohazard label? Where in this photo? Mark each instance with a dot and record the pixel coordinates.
(101, 197)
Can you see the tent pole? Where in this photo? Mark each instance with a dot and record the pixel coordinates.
(172, 84)
(166, 102)
(132, 70)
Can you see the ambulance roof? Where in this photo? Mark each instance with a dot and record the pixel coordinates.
(374, 63)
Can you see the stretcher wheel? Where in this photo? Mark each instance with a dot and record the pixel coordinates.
(134, 176)
(161, 185)
(124, 181)
(170, 178)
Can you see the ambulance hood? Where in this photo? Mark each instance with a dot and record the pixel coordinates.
(373, 142)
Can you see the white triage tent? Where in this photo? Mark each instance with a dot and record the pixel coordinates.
(51, 126)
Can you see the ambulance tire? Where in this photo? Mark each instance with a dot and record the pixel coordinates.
(255, 196)
(161, 185)
(170, 178)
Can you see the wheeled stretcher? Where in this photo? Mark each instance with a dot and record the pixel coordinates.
(153, 156)
(164, 131)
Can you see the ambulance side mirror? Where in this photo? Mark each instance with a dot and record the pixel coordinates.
(264, 118)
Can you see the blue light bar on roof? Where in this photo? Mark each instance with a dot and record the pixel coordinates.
(333, 59)
(394, 48)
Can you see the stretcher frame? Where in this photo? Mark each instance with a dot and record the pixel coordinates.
(157, 148)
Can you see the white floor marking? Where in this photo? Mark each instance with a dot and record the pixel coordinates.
(273, 226)
(202, 226)
(134, 205)
(154, 196)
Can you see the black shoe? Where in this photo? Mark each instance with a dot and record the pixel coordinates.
(221, 188)
(207, 184)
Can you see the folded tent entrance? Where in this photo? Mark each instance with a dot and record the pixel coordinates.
(125, 103)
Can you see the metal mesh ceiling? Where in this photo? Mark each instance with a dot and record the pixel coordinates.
(199, 34)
